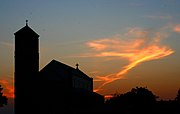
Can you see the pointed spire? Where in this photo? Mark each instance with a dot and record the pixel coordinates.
(26, 22)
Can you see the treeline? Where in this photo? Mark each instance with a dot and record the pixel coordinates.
(140, 100)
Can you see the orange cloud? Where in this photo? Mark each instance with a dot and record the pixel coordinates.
(177, 28)
(136, 50)
(8, 90)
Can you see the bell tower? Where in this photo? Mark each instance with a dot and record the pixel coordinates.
(26, 67)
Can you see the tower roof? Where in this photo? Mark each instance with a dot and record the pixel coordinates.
(26, 30)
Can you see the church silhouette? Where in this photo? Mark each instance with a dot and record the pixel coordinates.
(56, 89)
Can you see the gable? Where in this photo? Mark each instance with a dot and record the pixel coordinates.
(26, 31)
(56, 70)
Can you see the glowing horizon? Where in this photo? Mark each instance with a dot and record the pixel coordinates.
(8, 89)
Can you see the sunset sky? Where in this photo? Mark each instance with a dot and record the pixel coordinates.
(120, 43)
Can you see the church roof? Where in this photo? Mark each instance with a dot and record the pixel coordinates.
(61, 70)
(26, 30)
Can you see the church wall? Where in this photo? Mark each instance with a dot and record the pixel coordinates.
(78, 82)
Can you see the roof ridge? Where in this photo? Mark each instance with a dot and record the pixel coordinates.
(78, 72)
(25, 28)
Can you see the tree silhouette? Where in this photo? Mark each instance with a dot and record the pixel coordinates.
(138, 100)
(3, 99)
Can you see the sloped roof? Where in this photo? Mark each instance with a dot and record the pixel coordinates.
(26, 30)
(57, 68)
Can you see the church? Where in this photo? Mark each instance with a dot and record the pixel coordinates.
(55, 89)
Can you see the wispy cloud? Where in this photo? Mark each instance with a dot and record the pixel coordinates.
(161, 17)
(136, 46)
(177, 28)
(7, 44)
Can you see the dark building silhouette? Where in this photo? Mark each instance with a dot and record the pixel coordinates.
(71, 88)
(64, 74)
(26, 66)
(57, 88)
